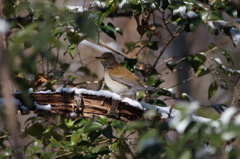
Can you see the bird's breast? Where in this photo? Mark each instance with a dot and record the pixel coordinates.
(114, 86)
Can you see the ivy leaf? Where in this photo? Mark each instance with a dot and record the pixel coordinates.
(212, 89)
(171, 65)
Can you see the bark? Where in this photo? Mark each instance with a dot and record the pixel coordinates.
(73, 105)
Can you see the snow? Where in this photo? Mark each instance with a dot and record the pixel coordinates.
(4, 26)
(98, 4)
(235, 35)
(218, 61)
(42, 107)
(228, 135)
(73, 114)
(44, 92)
(132, 102)
(222, 22)
(80, 91)
(191, 14)
(188, 97)
(123, 3)
(205, 151)
(164, 111)
(171, 90)
(23, 107)
(237, 120)
(227, 115)
(78, 9)
(181, 11)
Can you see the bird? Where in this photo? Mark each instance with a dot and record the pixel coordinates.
(119, 79)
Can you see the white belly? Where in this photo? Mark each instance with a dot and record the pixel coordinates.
(115, 86)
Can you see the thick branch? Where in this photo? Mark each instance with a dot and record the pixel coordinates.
(73, 105)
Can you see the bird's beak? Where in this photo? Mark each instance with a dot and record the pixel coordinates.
(100, 58)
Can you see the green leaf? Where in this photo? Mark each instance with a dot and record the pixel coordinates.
(56, 143)
(157, 102)
(154, 81)
(110, 30)
(107, 131)
(153, 45)
(129, 63)
(36, 130)
(202, 70)
(86, 25)
(72, 50)
(75, 137)
(232, 11)
(69, 123)
(103, 120)
(196, 60)
(91, 126)
(214, 16)
(65, 66)
(104, 150)
(228, 56)
(94, 135)
(163, 4)
(171, 65)
(212, 89)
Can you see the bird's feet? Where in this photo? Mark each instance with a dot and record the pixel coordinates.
(114, 112)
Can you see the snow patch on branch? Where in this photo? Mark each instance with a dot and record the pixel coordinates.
(42, 107)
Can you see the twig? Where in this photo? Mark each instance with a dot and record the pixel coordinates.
(104, 45)
(164, 47)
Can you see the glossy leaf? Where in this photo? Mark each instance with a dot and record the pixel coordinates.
(171, 65)
(202, 70)
(196, 61)
(107, 131)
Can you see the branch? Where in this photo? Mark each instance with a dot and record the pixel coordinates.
(164, 47)
(236, 96)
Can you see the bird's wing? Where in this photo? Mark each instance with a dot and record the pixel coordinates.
(126, 77)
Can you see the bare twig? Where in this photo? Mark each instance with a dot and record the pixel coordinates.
(107, 47)
(164, 47)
